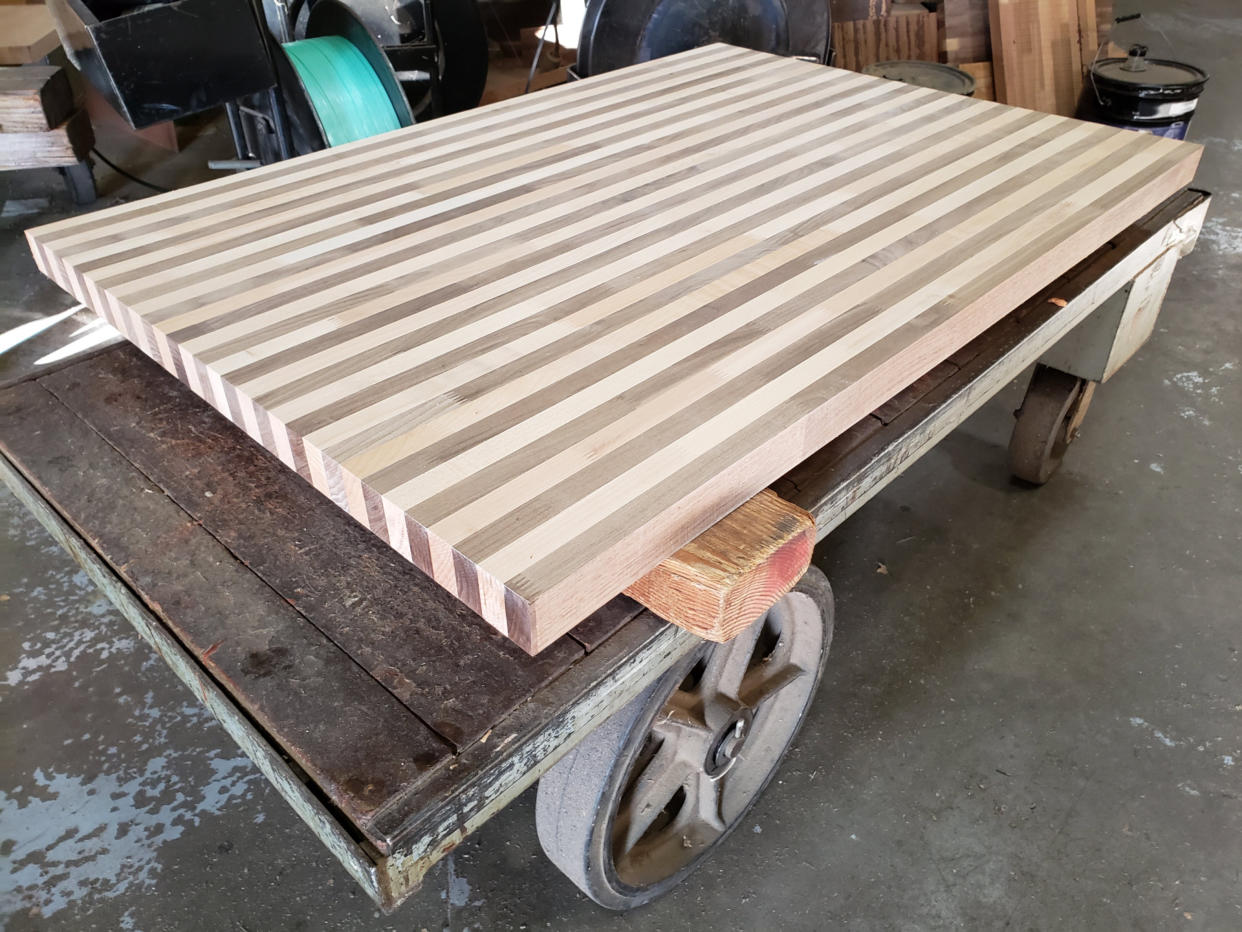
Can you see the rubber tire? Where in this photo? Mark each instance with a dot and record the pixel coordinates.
(80, 180)
(576, 798)
(1038, 444)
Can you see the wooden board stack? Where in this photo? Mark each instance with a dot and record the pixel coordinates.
(539, 346)
(40, 123)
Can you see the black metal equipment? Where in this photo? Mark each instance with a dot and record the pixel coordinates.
(166, 59)
(617, 33)
(159, 61)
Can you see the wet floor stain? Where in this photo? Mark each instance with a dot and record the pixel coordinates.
(88, 799)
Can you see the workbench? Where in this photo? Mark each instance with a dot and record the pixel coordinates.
(393, 720)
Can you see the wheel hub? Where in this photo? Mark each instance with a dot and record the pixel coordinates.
(727, 745)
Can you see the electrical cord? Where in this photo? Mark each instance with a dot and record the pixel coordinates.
(124, 174)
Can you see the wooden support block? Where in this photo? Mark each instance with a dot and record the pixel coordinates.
(727, 577)
(981, 71)
(67, 144)
(27, 33)
(34, 98)
(898, 37)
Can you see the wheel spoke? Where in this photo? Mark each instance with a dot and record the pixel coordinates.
(722, 680)
(766, 681)
(794, 654)
(667, 772)
(702, 819)
(680, 723)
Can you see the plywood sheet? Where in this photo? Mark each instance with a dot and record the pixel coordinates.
(539, 346)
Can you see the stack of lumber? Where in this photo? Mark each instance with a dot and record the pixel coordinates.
(41, 124)
(539, 347)
(868, 31)
(1027, 53)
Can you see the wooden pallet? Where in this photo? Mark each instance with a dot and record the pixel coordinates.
(540, 346)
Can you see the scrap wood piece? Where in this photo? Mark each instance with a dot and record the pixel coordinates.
(900, 36)
(967, 37)
(981, 71)
(727, 577)
(1036, 54)
(67, 144)
(27, 33)
(34, 98)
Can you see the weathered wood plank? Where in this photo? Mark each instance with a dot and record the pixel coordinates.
(67, 144)
(34, 98)
(722, 581)
(355, 740)
(559, 354)
(311, 809)
(451, 669)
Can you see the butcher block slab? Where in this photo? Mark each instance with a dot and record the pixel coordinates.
(539, 346)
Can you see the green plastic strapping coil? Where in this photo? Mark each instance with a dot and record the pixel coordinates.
(348, 97)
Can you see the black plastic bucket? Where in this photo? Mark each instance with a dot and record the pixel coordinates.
(1151, 95)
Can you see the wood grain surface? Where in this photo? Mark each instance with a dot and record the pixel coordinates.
(966, 34)
(896, 37)
(539, 346)
(1037, 53)
(27, 33)
(66, 144)
(34, 98)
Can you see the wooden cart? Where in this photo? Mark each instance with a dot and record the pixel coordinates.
(340, 670)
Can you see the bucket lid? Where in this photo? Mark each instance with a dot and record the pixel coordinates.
(1141, 72)
(925, 74)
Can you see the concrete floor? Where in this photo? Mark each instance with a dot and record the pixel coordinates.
(1032, 719)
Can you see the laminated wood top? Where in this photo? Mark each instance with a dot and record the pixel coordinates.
(539, 346)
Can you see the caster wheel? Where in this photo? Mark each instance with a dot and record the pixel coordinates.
(1047, 423)
(650, 793)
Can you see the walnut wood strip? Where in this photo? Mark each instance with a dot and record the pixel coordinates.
(723, 580)
(538, 363)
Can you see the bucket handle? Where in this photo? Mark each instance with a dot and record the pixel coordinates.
(1129, 17)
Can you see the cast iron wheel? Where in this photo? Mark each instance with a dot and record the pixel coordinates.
(1047, 423)
(650, 793)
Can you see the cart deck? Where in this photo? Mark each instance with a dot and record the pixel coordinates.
(341, 669)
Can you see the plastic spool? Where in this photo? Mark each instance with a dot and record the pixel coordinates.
(348, 97)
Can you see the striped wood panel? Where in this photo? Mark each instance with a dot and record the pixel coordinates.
(539, 346)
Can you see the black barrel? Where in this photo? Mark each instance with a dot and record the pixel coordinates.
(1152, 95)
